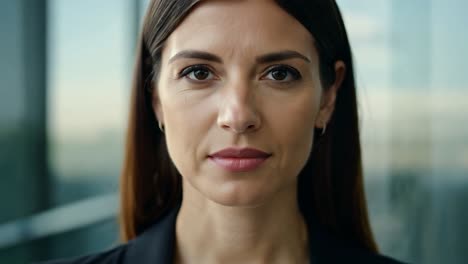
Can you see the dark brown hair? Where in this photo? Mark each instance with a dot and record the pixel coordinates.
(330, 186)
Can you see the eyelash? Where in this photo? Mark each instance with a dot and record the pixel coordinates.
(188, 70)
(292, 71)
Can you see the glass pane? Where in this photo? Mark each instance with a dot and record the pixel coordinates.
(410, 58)
(23, 173)
(89, 50)
(89, 55)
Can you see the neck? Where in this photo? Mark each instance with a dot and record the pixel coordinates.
(274, 232)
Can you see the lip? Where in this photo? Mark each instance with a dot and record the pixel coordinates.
(239, 159)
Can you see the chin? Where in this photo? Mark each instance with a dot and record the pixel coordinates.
(245, 194)
(250, 190)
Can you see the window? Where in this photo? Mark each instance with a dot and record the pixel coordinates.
(67, 65)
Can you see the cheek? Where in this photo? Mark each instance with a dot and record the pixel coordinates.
(293, 128)
(187, 123)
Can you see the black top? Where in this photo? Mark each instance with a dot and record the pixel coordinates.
(156, 245)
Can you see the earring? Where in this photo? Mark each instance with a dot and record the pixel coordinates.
(324, 128)
(161, 126)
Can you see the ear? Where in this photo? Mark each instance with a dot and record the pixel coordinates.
(327, 101)
(156, 104)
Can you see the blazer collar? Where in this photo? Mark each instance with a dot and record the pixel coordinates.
(156, 244)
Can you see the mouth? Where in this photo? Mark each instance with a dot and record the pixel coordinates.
(239, 159)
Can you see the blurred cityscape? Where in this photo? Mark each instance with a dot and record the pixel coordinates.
(64, 84)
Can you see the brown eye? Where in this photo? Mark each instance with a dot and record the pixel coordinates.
(200, 74)
(283, 73)
(279, 75)
(197, 73)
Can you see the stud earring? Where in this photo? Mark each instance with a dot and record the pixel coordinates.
(161, 126)
(324, 128)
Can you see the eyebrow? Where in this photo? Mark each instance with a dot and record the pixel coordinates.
(194, 54)
(281, 55)
(266, 58)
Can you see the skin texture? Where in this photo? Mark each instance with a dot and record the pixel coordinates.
(243, 217)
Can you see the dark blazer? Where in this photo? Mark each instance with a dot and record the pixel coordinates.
(155, 246)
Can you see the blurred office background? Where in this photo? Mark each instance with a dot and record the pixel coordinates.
(65, 72)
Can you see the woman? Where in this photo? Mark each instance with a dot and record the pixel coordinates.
(243, 142)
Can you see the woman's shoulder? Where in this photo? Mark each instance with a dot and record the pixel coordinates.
(326, 247)
(340, 251)
(110, 256)
(343, 252)
(363, 257)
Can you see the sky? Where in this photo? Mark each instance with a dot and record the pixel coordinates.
(90, 50)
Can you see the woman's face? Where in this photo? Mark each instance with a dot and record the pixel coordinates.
(239, 74)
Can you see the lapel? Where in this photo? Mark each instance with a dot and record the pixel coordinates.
(155, 245)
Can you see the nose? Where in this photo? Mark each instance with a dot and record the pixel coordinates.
(238, 110)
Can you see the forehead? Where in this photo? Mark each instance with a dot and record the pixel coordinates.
(237, 28)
